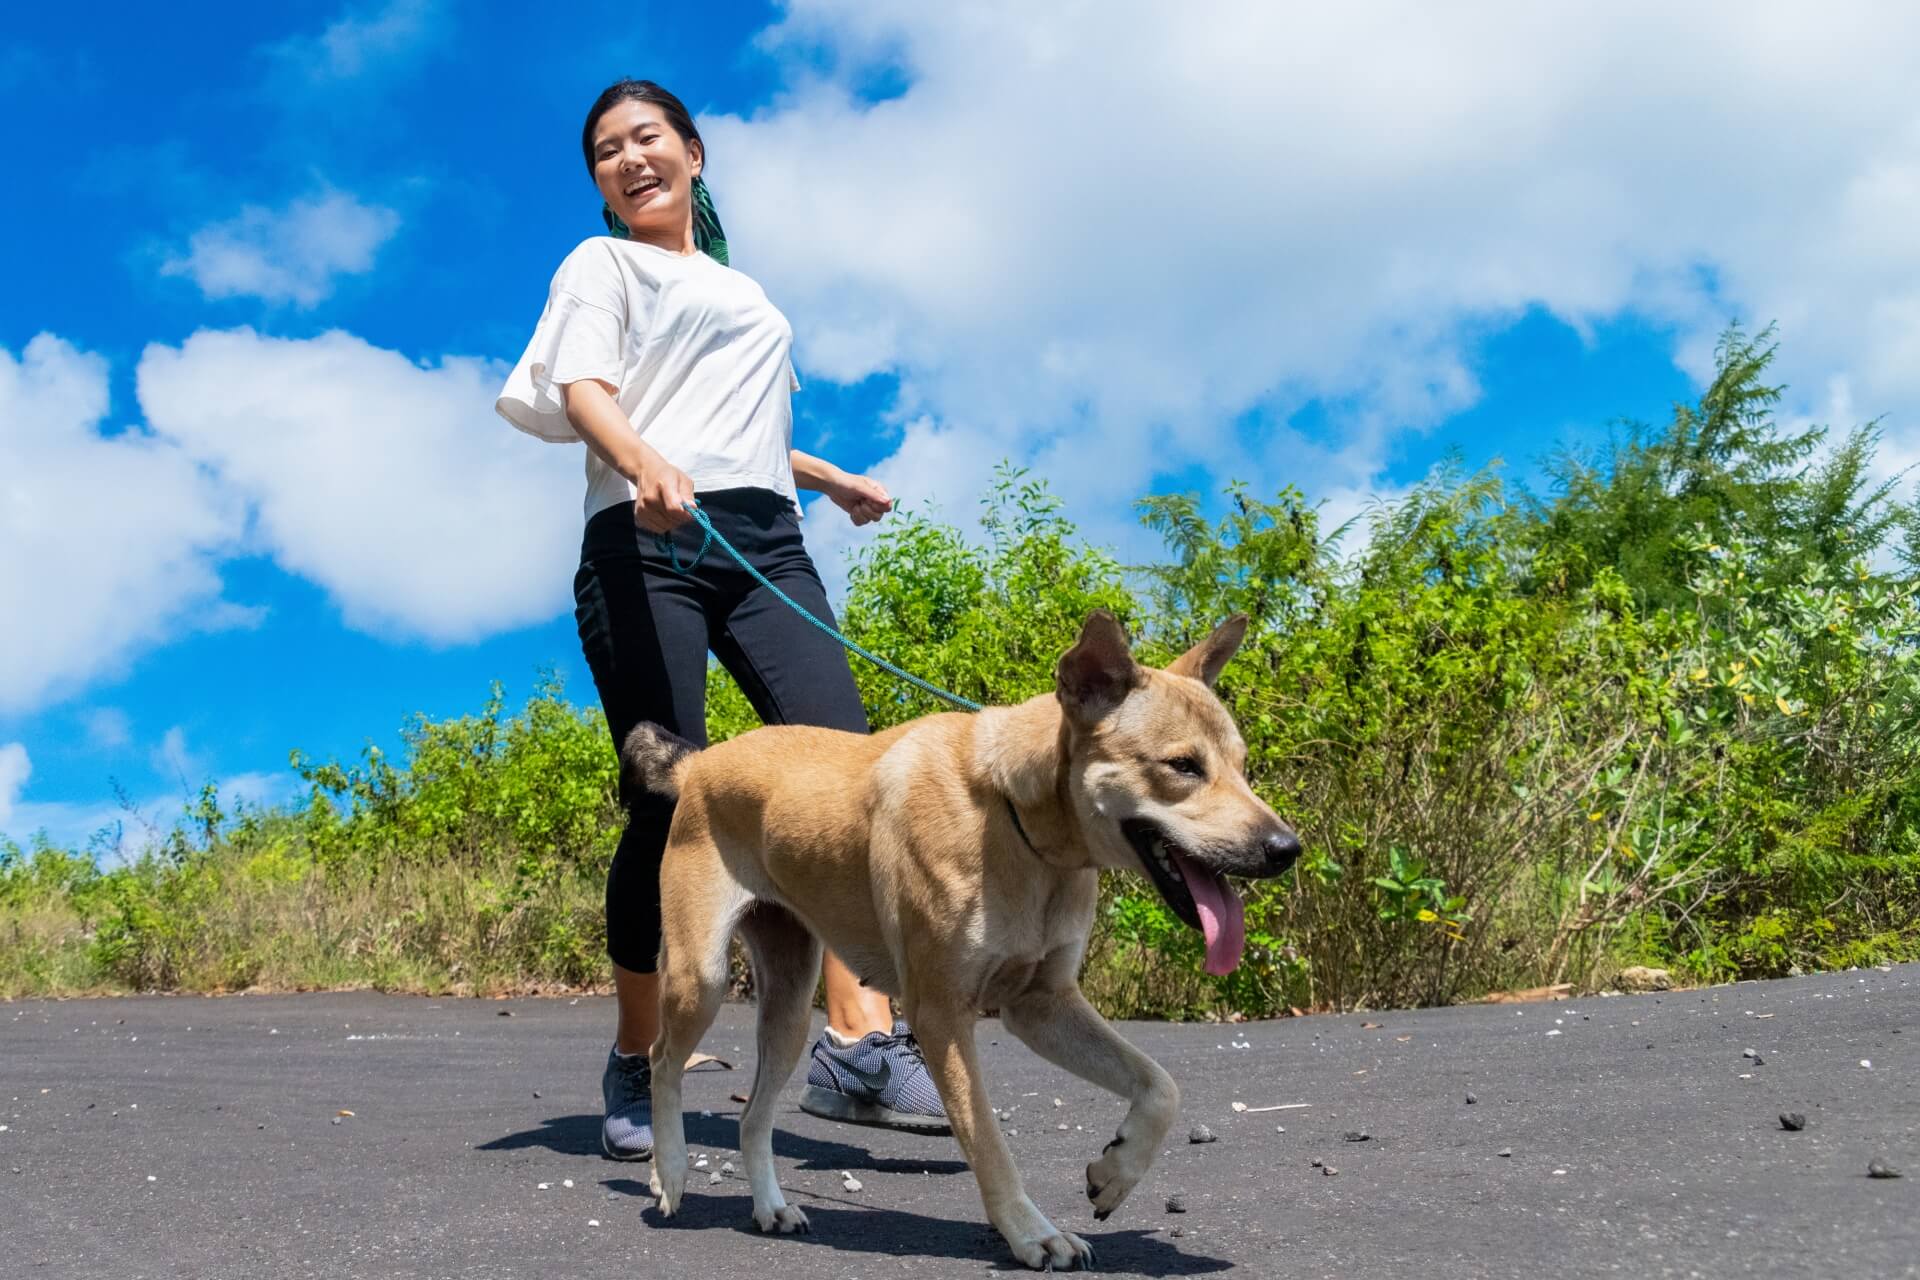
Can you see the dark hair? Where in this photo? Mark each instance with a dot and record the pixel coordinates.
(628, 90)
(708, 235)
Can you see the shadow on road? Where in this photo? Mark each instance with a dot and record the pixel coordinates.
(579, 1135)
(893, 1233)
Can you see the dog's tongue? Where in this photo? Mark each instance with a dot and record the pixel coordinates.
(1223, 917)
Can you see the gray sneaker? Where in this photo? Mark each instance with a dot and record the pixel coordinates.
(627, 1087)
(881, 1080)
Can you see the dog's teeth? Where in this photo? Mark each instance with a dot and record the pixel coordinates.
(1161, 856)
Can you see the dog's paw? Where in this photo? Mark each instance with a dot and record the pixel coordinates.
(1061, 1251)
(668, 1190)
(786, 1220)
(1112, 1177)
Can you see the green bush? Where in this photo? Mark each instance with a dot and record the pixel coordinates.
(1669, 714)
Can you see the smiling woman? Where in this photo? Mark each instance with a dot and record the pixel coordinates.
(675, 371)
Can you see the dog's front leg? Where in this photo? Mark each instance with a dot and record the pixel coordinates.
(1060, 1026)
(946, 1037)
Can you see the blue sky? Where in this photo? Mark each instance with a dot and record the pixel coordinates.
(268, 263)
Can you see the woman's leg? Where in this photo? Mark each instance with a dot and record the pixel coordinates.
(644, 637)
(865, 1068)
(794, 674)
(637, 996)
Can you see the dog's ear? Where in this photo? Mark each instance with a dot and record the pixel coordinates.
(1204, 661)
(1096, 675)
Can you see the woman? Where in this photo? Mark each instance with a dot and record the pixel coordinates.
(675, 371)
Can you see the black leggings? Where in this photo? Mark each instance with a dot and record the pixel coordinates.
(646, 631)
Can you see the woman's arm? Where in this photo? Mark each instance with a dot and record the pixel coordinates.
(663, 489)
(863, 499)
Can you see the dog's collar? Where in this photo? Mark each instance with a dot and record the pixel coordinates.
(1014, 813)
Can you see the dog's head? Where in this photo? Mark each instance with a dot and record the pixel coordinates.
(1158, 775)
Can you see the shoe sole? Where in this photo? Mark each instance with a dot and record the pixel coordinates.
(611, 1154)
(829, 1105)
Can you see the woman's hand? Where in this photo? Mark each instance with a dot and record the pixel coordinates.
(661, 492)
(863, 498)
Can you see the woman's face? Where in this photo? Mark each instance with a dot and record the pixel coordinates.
(645, 172)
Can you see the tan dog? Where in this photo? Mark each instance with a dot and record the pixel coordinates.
(953, 862)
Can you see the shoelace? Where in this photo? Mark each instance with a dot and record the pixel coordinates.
(637, 1069)
(909, 1046)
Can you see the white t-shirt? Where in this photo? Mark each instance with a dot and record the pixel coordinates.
(700, 360)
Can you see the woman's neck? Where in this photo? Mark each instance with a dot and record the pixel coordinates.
(682, 243)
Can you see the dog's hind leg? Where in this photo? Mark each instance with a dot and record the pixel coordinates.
(1058, 1024)
(699, 905)
(786, 965)
(945, 1032)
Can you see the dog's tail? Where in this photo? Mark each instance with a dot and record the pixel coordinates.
(652, 760)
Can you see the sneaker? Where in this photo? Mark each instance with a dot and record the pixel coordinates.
(881, 1080)
(627, 1087)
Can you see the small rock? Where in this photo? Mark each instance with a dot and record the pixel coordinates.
(1013, 1133)
(1200, 1133)
(1559, 1173)
(336, 1120)
(259, 1126)
(1505, 1151)
(1058, 1103)
(1316, 1162)
(1881, 1169)
(701, 1163)
(151, 1178)
(851, 1184)
(1642, 978)
(1329, 1171)
(714, 1179)
(1792, 1121)
(706, 1115)
(1471, 1099)
(726, 1166)
(1867, 1063)
(542, 1186)
(1179, 1231)
(506, 1013)
(536, 1093)
(593, 1222)
(1750, 1053)
(1357, 1135)
(1177, 1202)
(1061, 1127)
(566, 1182)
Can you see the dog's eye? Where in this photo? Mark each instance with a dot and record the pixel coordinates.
(1187, 765)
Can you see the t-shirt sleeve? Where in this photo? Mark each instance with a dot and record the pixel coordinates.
(793, 377)
(581, 335)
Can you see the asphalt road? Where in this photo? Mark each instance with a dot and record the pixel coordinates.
(194, 1137)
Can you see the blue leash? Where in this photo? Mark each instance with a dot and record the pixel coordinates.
(712, 535)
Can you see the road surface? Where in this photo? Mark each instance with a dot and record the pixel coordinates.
(1627, 1136)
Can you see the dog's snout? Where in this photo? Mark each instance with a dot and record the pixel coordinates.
(1281, 847)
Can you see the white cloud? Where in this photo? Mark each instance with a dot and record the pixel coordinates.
(108, 728)
(391, 484)
(287, 255)
(1091, 238)
(111, 540)
(172, 760)
(15, 769)
(361, 42)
